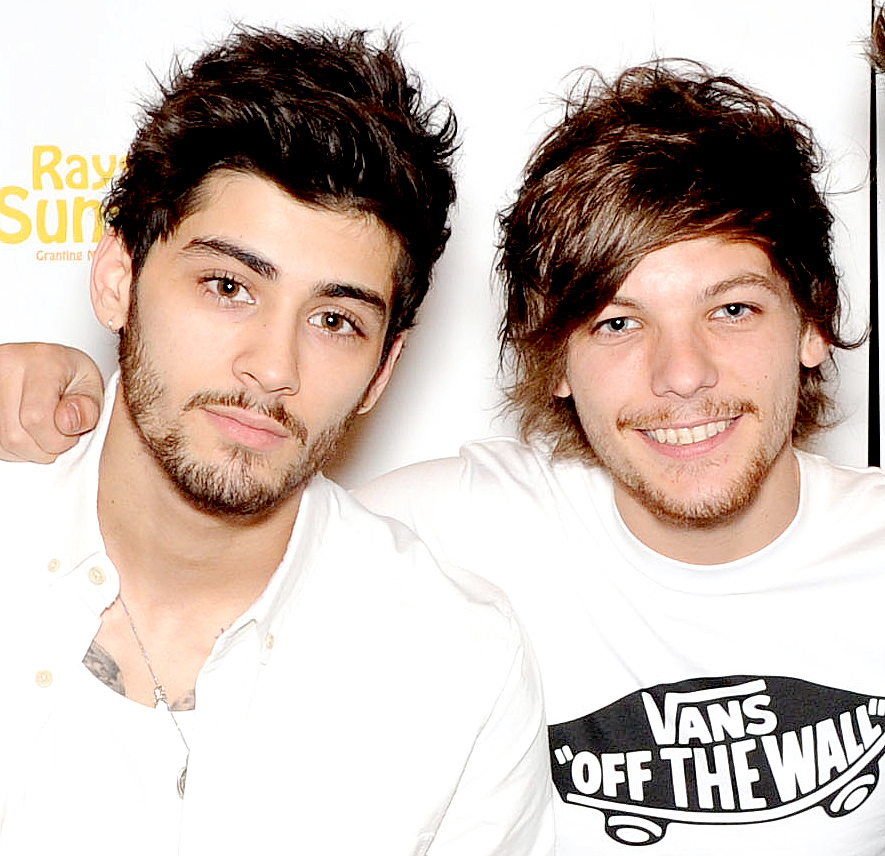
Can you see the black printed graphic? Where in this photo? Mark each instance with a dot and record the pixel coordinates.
(732, 750)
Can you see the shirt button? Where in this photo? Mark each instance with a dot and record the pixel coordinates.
(96, 575)
(53, 565)
(268, 641)
(43, 678)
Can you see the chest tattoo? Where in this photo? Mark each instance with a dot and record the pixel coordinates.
(105, 668)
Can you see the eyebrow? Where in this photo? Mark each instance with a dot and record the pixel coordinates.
(354, 292)
(220, 247)
(743, 279)
(715, 289)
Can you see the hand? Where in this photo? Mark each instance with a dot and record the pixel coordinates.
(49, 395)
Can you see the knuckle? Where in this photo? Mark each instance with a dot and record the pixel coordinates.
(14, 438)
(32, 415)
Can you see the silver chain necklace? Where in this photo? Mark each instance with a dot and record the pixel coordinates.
(161, 699)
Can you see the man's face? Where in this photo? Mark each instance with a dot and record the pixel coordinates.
(254, 339)
(686, 384)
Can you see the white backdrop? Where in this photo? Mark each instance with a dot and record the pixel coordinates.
(72, 73)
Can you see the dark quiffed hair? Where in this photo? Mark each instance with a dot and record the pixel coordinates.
(330, 118)
(666, 152)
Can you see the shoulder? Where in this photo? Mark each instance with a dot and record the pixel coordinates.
(41, 493)
(31, 491)
(841, 498)
(481, 467)
(822, 479)
(388, 562)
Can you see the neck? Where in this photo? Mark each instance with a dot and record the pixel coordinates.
(753, 527)
(169, 553)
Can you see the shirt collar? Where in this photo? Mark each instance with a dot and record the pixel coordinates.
(75, 549)
(269, 611)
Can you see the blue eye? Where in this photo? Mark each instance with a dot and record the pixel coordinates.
(733, 310)
(616, 325)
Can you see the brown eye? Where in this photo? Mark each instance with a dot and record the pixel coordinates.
(229, 289)
(334, 322)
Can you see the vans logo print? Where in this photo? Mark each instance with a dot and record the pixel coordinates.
(730, 750)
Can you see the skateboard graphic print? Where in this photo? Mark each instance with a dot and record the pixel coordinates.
(730, 750)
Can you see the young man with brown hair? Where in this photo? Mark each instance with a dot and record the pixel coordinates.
(702, 595)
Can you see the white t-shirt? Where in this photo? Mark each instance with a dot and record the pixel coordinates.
(367, 703)
(706, 710)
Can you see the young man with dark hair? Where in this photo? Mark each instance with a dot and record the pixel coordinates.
(209, 647)
(703, 596)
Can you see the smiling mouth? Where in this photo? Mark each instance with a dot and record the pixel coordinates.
(687, 436)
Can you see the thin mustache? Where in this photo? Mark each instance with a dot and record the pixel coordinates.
(711, 410)
(241, 399)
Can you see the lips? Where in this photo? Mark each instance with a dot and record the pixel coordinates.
(687, 436)
(247, 428)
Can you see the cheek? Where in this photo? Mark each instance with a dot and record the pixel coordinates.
(602, 377)
(770, 375)
(336, 378)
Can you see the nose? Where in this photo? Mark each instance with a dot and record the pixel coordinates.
(682, 364)
(267, 359)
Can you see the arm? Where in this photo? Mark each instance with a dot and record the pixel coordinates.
(49, 394)
(503, 804)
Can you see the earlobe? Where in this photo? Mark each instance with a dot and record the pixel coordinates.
(110, 281)
(373, 393)
(563, 388)
(813, 349)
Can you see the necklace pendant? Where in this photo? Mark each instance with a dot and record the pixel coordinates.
(182, 781)
(160, 698)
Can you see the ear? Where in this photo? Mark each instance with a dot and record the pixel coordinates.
(563, 389)
(813, 349)
(111, 281)
(373, 393)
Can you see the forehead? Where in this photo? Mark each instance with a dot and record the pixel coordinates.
(701, 268)
(298, 240)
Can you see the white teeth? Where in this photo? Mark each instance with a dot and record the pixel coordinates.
(687, 436)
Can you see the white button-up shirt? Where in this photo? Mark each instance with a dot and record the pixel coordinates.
(367, 702)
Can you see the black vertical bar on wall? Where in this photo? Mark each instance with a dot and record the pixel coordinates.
(873, 428)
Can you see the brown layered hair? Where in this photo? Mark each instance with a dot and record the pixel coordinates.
(666, 152)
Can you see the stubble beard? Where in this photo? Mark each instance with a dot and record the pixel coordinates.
(243, 485)
(703, 512)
